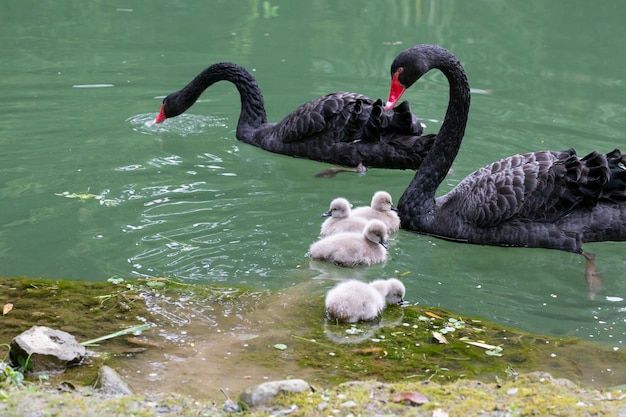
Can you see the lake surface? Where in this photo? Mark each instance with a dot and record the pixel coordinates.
(80, 80)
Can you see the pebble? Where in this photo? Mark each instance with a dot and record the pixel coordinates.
(260, 394)
(111, 383)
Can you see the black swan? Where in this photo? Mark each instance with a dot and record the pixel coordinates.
(545, 199)
(341, 128)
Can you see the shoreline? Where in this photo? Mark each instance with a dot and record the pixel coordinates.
(183, 363)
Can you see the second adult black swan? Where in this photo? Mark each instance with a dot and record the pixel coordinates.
(341, 128)
(545, 199)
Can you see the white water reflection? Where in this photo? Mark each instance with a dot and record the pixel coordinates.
(184, 125)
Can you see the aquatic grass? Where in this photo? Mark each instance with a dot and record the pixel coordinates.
(130, 330)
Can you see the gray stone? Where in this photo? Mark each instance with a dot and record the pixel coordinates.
(259, 395)
(110, 382)
(49, 349)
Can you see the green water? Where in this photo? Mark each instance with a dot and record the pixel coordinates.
(79, 81)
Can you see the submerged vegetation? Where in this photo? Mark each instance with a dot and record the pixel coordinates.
(421, 343)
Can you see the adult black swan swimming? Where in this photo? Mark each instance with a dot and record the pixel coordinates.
(341, 128)
(544, 199)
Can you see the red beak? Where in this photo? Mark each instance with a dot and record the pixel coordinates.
(395, 91)
(161, 117)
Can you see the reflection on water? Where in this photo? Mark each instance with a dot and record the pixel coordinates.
(347, 334)
(183, 125)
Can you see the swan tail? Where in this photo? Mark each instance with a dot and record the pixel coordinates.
(359, 125)
(372, 129)
(585, 182)
(615, 189)
(597, 177)
(404, 121)
(369, 122)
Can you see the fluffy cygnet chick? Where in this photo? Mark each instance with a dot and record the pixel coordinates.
(353, 300)
(391, 289)
(352, 249)
(382, 209)
(340, 219)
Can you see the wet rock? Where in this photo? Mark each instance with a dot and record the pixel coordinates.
(545, 376)
(259, 395)
(49, 349)
(111, 383)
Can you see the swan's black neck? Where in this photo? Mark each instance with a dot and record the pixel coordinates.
(252, 105)
(418, 201)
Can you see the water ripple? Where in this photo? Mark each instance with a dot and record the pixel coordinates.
(183, 125)
(132, 167)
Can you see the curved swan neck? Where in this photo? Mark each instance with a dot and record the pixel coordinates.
(441, 156)
(252, 105)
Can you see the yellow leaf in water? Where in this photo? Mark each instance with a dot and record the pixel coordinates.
(7, 307)
(366, 351)
(428, 313)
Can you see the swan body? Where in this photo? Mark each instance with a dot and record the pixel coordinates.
(545, 199)
(352, 301)
(351, 248)
(341, 128)
(382, 209)
(340, 219)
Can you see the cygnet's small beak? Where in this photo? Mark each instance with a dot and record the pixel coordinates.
(384, 243)
(394, 208)
(326, 214)
(403, 303)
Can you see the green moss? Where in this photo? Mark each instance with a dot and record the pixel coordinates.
(403, 346)
(531, 394)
